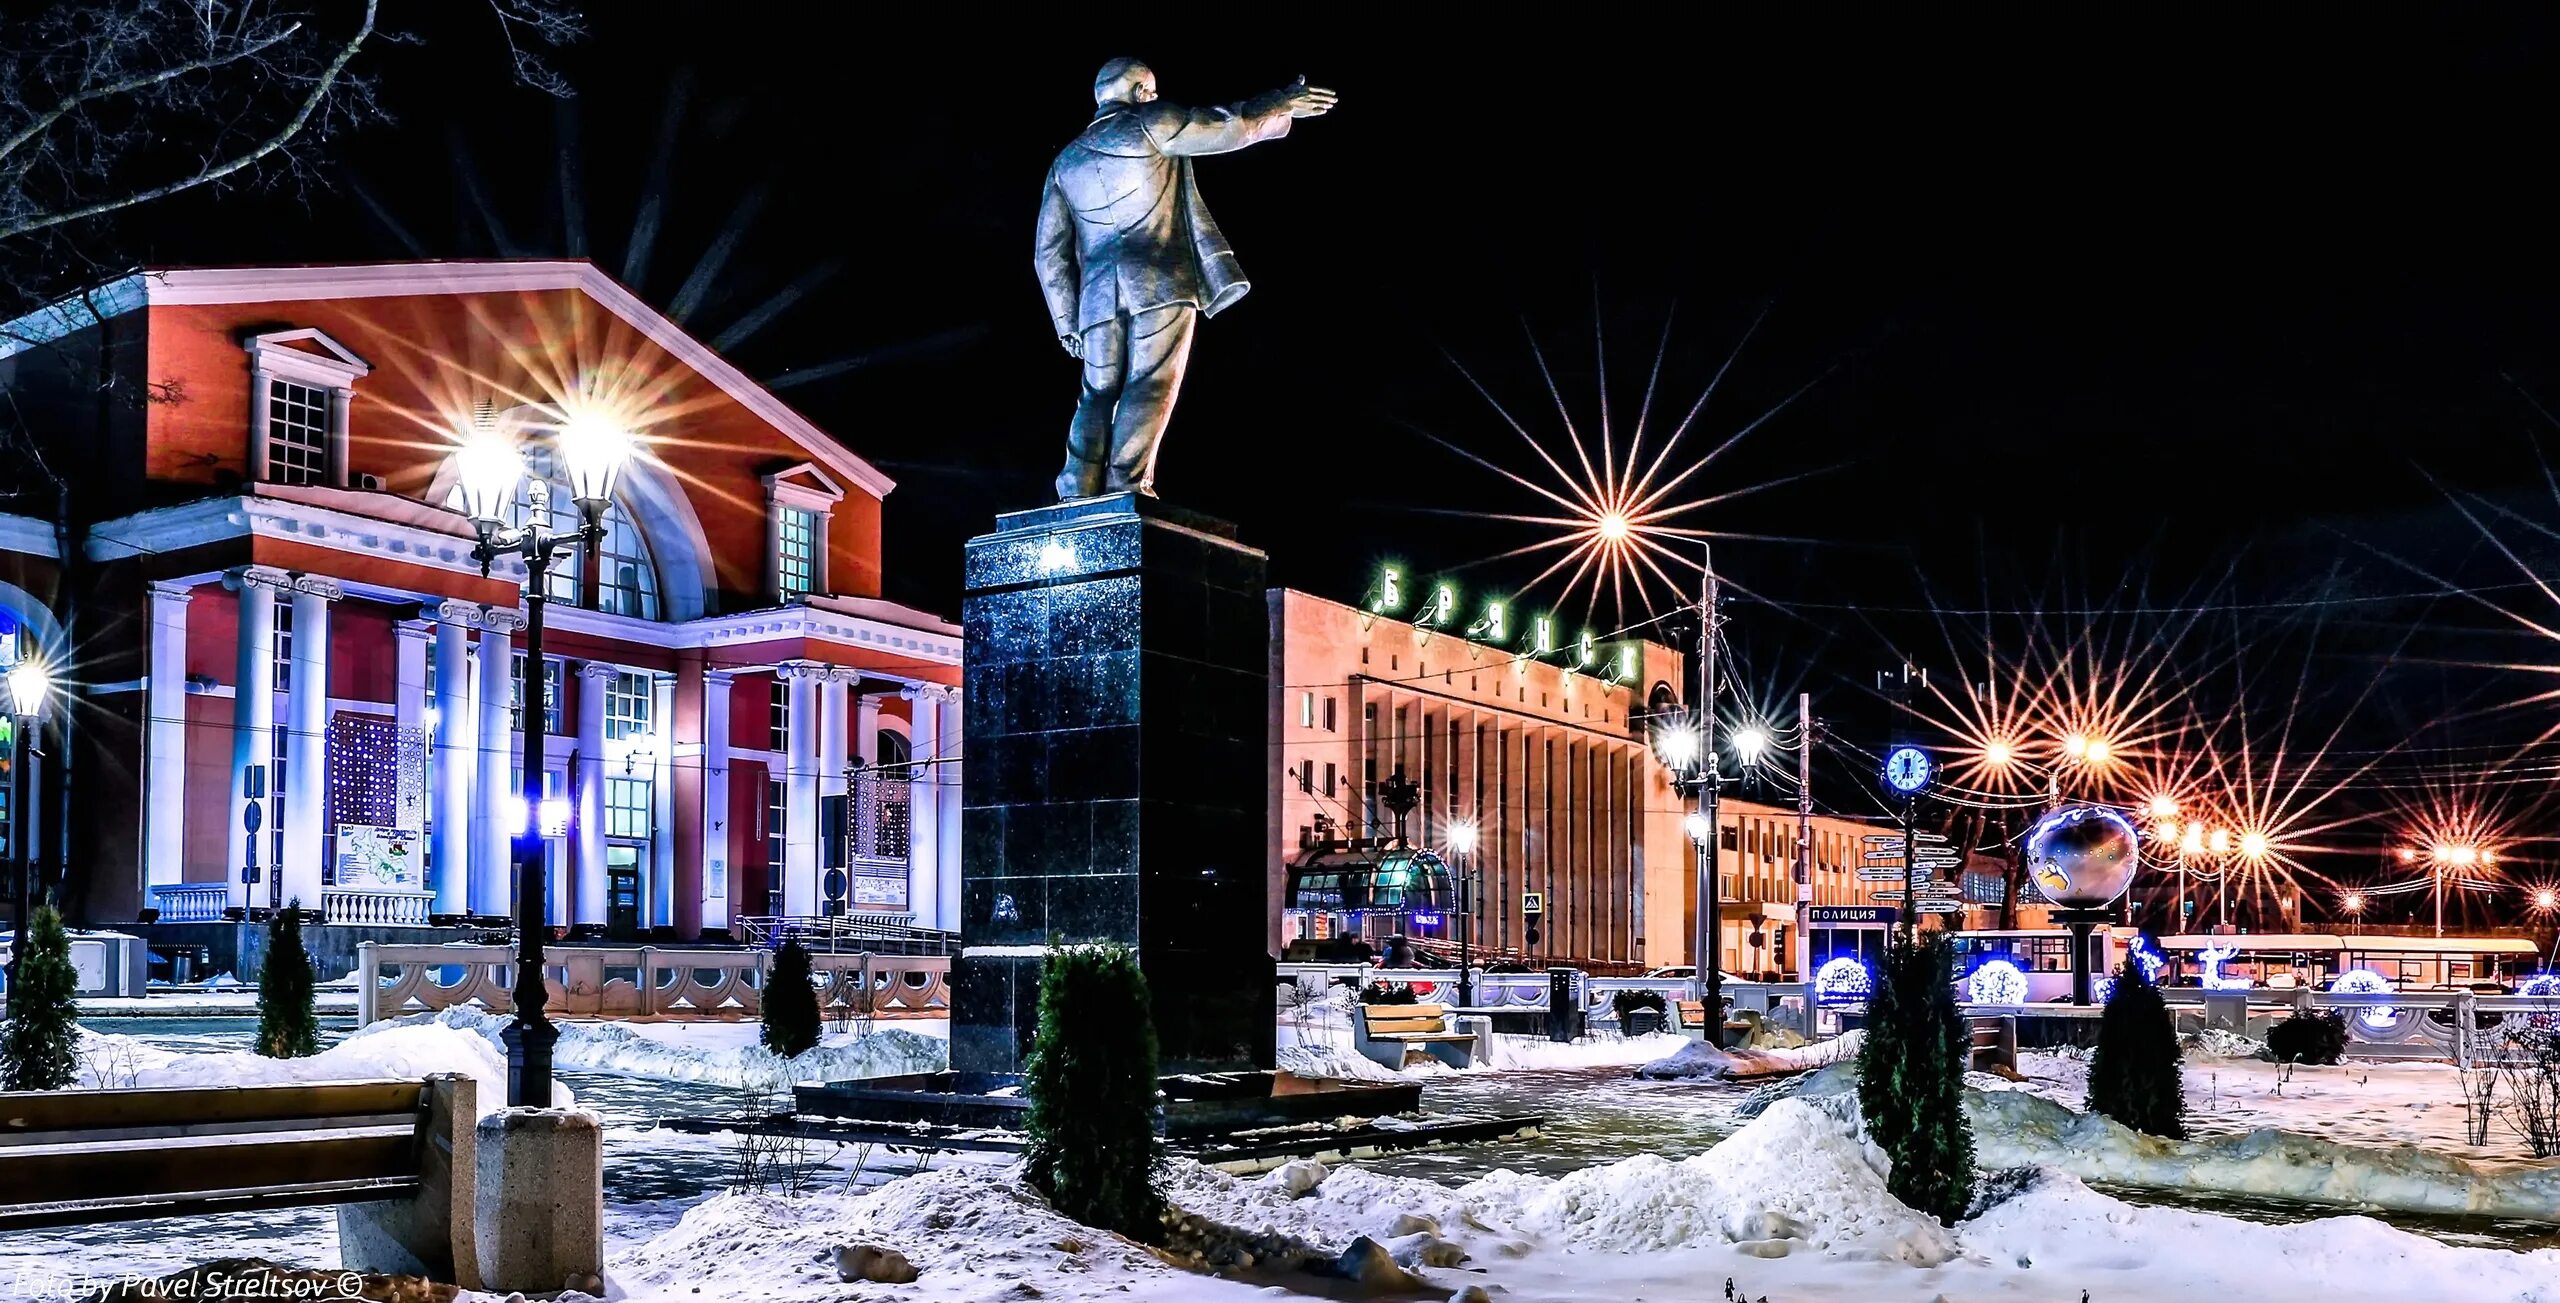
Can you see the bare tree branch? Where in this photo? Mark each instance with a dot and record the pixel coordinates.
(45, 120)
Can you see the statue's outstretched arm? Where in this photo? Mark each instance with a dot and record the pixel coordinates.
(1180, 131)
(1053, 259)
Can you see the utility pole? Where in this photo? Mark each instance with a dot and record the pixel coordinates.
(1710, 847)
(1804, 837)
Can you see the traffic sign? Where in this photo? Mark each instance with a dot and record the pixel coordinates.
(1929, 837)
(1883, 855)
(1940, 906)
(1873, 875)
(1533, 902)
(1887, 895)
(1894, 837)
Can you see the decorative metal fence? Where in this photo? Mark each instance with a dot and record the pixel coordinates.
(653, 982)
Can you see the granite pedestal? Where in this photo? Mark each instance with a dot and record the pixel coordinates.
(1116, 706)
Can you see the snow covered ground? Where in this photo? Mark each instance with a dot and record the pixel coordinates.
(2362, 1103)
(716, 1054)
(112, 1061)
(1793, 1207)
(1315, 1041)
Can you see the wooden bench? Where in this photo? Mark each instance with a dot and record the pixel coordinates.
(399, 1158)
(1390, 1033)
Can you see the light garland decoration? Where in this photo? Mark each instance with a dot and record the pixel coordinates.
(2146, 952)
(1843, 980)
(1997, 981)
(2213, 957)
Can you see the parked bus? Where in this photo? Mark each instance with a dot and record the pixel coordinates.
(2285, 961)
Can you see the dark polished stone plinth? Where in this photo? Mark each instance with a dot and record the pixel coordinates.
(1116, 690)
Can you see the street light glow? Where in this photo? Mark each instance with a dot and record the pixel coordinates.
(2219, 841)
(2076, 746)
(1613, 527)
(2191, 842)
(2165, 831)
(2354, 902)
(1678, 745)
(29, 684)
(2253, 845)
(2164, 806)
(1750, 743)
(1998, 754)
(1462, 836)
(1696, 823)
(2097, 751)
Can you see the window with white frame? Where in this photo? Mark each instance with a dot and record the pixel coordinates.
(628, 699)
(780, 717)
(626, 808)
(551, 671)
(626, 582)
(776, 812)
(300, 385)
(284, 642)
(796, 550)
(297, 433)
(801, 498)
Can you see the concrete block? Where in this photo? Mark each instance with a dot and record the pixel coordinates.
(540, 1210)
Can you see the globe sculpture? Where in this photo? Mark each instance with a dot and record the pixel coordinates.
(2083, 857)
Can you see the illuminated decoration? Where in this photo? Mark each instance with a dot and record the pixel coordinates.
(1494, 626)
(1055, 558)
(1625, 670)
(1586, 652)
(2213, 958)
(1843, 980)
(1442, 606)
(1997, 981)
(2146, 955)
(2540, 986)
(1542, 636)
(1907, 769)
(1389, 596)
(2102, 988)
(2365, 981)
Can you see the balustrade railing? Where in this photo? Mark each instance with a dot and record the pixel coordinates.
(191, 902)
(646, 982)
(376, 907)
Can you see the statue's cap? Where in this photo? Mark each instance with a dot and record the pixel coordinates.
(1119, 79)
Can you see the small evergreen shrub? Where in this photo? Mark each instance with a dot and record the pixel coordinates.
(2133, 1076)
(40, 1047)
(1626, 1002)
(288, 1026)
(1388, 993)
(1911, 1077)
(790, 1004)
(2309, 1037)
(1091, 1143)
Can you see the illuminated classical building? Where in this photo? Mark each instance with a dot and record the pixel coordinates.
(265, 582)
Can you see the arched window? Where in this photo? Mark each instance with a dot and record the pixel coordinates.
(895, 754)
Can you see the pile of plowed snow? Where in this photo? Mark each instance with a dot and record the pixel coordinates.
(391, 1053)
(614, 1048)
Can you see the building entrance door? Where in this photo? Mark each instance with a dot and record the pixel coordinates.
(622, 892)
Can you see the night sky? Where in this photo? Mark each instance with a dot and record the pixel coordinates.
(2096, 317)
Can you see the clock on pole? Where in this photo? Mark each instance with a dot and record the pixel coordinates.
(1907, 769)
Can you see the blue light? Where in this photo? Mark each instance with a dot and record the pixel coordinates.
(2365, 981)
(1426, 918)
(1907, 769)
(2146, 952)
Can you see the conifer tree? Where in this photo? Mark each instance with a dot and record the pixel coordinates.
(1911, 1077)
(39, 1049)
(2134, 1075)
(1091, 1080)
(288, 1025)
(790, 1004)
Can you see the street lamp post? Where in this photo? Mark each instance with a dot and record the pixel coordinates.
(1462, 846)
(29, 684)
(593, 454)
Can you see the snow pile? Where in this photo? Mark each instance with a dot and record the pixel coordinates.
(395, 1053)
(2014, 1128)
(618, 1049)
(2076, 1236)
(975, 1228)
(1698, 1060)
(1339, 1063)
(2219, 1043)
(1503, 1053)
(1796, 1177)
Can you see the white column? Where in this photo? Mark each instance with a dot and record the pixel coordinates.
(164, 759)
(924, 804)
(715, 799)
(454, 764)
(662, 803)
(800, 791)
(307, 743)
(253, 709)
(833, 685)
(340, 398)
(866, 728)
(493, 885)
(945, 905)
(586, 827)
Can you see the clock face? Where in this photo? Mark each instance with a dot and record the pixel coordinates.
(1907, 769)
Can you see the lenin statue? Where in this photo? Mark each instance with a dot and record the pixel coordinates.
(1129, 260)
